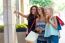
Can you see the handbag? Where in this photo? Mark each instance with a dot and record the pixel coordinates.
(59, 26)
(32, 36)
(60, 21)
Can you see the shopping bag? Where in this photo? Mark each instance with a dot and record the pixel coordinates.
(59, 26)
(60, 21)
(32, 36)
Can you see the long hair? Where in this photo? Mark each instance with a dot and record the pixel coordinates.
(36, 13)
(43, 12)
(36, 9)
(44, 15)
(48, 17)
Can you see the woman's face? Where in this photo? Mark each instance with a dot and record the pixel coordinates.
(34, 10)
(40, 11)
(48, 12)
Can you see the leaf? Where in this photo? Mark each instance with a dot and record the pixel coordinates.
(42, 3)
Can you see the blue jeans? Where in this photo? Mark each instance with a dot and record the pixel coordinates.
(38, 41)
(53, 39)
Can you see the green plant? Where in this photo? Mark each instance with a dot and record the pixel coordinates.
(23, 25)
(19, 26)
(41, 3)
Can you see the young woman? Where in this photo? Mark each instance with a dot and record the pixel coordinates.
(40, 25)
(51, 31)
(31, 17)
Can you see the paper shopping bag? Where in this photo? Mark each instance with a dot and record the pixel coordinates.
(32, 36)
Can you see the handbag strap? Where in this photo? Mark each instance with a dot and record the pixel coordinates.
(32, 24)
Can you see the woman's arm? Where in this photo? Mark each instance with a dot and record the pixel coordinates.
(54, 23)
(20, 13)
(47, 19)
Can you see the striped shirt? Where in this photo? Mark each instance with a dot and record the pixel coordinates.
(41, 25)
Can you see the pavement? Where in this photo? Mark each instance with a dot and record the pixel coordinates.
(20, 36)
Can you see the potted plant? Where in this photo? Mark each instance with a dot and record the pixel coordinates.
(1, 28)
(21, 27)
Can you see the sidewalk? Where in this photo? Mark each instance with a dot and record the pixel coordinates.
(20, 35)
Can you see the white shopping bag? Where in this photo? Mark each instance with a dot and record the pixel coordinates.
(32, 36)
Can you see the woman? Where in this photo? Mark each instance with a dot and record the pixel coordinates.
(31, 17)
(40, 25)
(51, 31)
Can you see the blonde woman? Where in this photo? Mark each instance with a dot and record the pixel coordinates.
(51, 31)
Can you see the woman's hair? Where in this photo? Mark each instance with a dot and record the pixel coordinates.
(36, 13)
(43, 12)
(36, 9)
(50, 9)
(44, 15)
(47, 20)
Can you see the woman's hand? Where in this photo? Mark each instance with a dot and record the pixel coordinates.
(53, 22)
(38, 30)
(16, 12)
(21, 14)
(26, 33)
